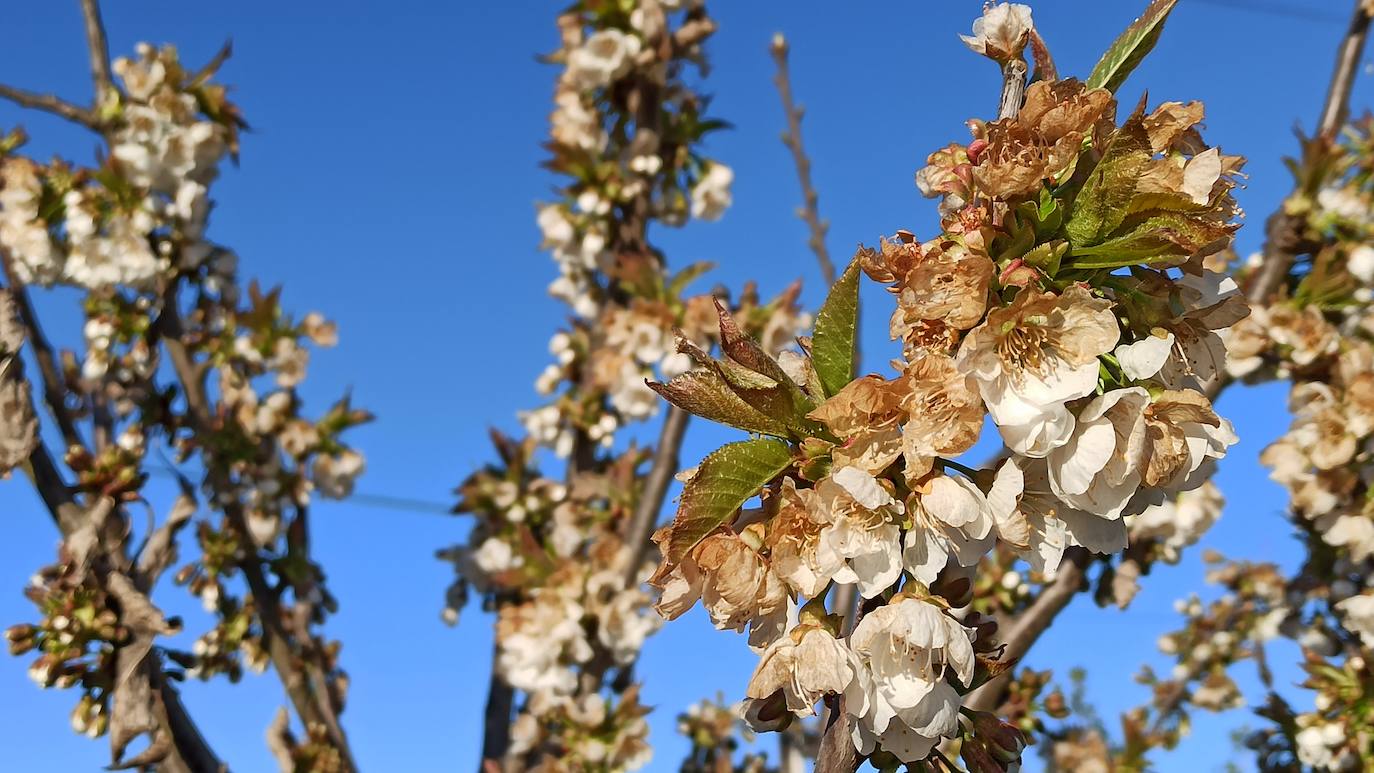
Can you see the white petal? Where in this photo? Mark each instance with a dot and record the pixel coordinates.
(1096, 534)
(1145, 357)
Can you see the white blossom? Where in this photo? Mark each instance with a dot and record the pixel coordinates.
(711, 195)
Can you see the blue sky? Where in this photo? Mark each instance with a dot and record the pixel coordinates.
(390, 182)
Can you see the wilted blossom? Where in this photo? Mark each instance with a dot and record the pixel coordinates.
(806, 665)
(1001, 32)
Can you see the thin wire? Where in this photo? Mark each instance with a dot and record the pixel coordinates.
(1276, 9)
(365, 499)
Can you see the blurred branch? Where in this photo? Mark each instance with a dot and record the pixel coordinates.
(54, 385)
(809, 212)
(496, 719)
(296, 670)
(1027, 627)
(1278, 250)
(99, 51)
(51, 104)
(655, 491)
(189, 750)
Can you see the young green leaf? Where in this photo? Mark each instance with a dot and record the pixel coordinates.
(1130, 48)
(686, 276)
(704, 393)
(836, 335)
(725, 480)
(1103, 203)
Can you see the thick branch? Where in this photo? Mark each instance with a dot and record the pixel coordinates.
(836, 753)
(99, 50)
(809, 212)
(497, 718)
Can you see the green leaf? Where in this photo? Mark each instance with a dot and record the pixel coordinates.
(704, 393)
(686, 276)
(724, 481)
(1167, 239)
(836, 334)
(1047, 256)
(760, 381)
(1104, 201)
(1130, 48)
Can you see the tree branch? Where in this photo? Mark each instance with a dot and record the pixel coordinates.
(54, 385)
(99, 51)
(1033, 622)
(496, 719)
(655, 491)
(836, 753)
(1278, 252)
(1013, 88)
(311, 701)
(51, 104)
(809, 212)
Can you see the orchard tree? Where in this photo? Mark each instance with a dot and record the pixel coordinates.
(1080, 301)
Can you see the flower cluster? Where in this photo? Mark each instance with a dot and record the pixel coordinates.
(1066, 299)
(716, 731)
(147, 208)
(160, 298)
(1318, 332)
(556, 559)
(631, 163)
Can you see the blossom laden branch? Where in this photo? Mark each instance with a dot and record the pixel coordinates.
(1264, 284)
(1015, 312)
(131, 235)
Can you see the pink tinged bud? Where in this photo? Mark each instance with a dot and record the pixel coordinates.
(975, 150)
(1018, 273)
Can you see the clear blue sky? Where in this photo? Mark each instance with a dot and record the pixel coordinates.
(390, 181)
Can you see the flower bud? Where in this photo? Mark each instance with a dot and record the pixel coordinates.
(1004, 742)
(764, 715)
(978, 758)
(1056, 706)
(955, 588)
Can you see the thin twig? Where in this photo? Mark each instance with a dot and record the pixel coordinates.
(99, 51)
(51, 104)
(1013, 88)
(809, 211)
